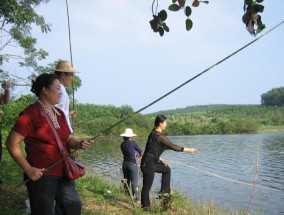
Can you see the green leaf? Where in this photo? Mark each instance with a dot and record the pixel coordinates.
(161, 31)
(174, 1)
(260, 27)
(206, 2)
(258, 8)
(188, 24)
(187, 11)
(166, 28)
(246, 18)
(163, 15)
(248, 2)
(174, 7)
(259, 1)
(195, 3)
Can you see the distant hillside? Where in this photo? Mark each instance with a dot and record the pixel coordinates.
(205, 109)
(223, 119)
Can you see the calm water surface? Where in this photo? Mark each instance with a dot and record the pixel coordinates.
(223, 170)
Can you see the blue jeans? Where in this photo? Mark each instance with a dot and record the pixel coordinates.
(130, 172)
(43, 192)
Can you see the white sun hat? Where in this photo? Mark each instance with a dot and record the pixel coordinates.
(128, 133)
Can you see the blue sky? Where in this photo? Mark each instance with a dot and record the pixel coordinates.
(122, 61)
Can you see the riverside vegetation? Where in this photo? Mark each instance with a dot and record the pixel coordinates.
(107, 197)
(92, 119)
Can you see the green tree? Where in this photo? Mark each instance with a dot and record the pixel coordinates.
(16, 20)
(273, 97)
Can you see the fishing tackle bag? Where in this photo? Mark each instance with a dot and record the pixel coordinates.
(73, 170)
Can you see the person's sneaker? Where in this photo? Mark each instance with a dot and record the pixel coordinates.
(166, 200)
(163, 195)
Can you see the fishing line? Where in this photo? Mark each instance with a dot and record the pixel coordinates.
(70, 49)
(225, 178)
(254, 183)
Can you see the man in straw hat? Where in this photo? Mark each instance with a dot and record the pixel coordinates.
(129, 165)
(65, 73)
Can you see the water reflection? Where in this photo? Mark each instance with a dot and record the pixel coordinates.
(229, 156)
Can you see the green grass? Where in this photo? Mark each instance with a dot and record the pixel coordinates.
(99, 196)
(104, 198)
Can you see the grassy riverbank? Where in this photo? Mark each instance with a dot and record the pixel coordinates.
(106, 198)
(98, 195)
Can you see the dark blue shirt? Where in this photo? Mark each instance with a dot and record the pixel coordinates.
(128, 148)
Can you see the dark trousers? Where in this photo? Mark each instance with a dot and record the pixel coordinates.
(130, 172)
(42, 194)
(148, 168)
(58, 207)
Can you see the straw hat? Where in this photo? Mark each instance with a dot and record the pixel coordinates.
(64, 66)
(128, 133)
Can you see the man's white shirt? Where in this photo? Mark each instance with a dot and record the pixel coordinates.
(64, 105)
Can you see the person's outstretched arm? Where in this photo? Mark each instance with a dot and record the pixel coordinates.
(175, 147)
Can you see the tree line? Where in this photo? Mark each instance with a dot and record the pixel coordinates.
(92, 119)
(274, 96)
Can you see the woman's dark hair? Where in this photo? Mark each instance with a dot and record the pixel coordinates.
(159, 119)
(43, 80)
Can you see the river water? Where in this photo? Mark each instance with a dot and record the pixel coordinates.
(234, 171)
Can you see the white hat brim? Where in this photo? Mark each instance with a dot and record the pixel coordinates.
(128, 135)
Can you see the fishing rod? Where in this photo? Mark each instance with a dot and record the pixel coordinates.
(70, 49)
(186, 82)
(165, 95)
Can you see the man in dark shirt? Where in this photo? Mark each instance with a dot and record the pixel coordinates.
(129, 166)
